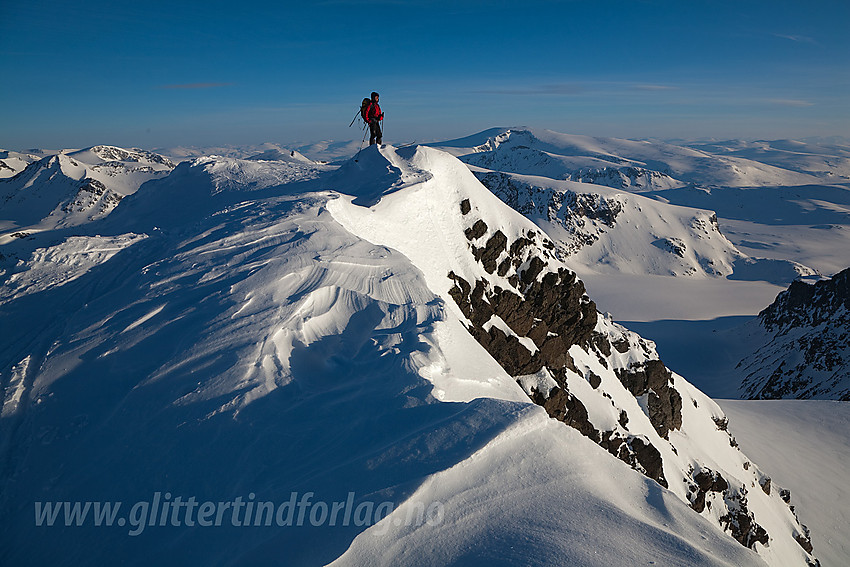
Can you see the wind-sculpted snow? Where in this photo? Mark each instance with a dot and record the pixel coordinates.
(60, 264)
(266, 351)
(276, 328)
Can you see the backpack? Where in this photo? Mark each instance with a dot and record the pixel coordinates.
(364, 109)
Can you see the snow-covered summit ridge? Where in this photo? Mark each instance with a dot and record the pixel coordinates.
(498, 273)
(12, 163)
(99, 156)
(281, 154)
(201, 186)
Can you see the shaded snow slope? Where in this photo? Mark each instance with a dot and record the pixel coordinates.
(268, 328)
(557, 512)
(262, 349)
(807, 447)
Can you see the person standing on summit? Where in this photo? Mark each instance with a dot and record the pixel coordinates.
(374, 116)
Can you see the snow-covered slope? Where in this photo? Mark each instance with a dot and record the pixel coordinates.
(76, 187)
(831, 162)
(385, 332)
(615, 230)
(807, 449)
(627, 218)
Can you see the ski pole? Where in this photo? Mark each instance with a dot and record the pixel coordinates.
(360, 149)
(355, 118)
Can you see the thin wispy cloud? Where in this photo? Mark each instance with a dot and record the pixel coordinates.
(196, 86)
(552, 89)
(797, 38)
(655, 88)
(574, 89)
(790, 102)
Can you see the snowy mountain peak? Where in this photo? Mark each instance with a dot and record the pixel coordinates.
(112, 154)
(277, 153)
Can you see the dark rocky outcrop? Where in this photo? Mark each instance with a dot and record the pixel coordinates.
(583, 215)
(528, 311)
(805, 540)
(551, 309)
(706, 481)
(565, 407)
(742, 527)
(656, 381)
(804, 304)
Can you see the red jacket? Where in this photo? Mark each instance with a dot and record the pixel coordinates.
(374, 111)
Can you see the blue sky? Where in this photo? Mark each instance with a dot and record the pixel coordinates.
(157, 74)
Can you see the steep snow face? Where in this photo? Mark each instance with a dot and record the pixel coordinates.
(622, 164)
(532, 315)
(69, 189)
(801, 344)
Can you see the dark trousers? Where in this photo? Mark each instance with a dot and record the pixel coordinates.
(375, 134)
